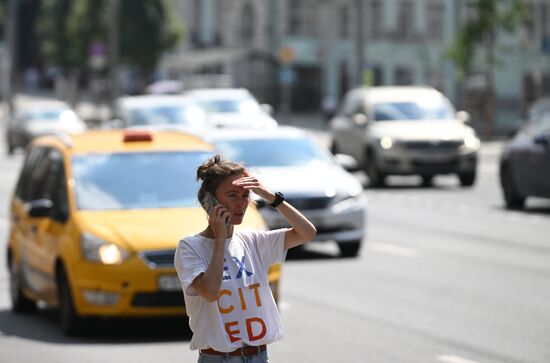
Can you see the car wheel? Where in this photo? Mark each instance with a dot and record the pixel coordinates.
(19, 302)
(11, 147)
(350, 248)
(512, 197)
(427, 180)
(467, 179)
(376, 178)
(71, 323)
(333, 147)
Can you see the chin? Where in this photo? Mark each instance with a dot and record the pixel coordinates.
(237, 221)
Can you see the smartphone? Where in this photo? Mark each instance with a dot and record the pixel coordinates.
(209, 201)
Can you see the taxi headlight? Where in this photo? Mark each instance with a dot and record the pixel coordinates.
(97, 250)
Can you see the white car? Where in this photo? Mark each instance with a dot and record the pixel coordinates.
(234, 108)
(33, 119)
(405, 130)
(174, 112)
(291, 161)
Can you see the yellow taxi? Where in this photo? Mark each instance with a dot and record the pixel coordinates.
(95, 220)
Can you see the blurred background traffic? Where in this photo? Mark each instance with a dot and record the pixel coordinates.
(415, 135)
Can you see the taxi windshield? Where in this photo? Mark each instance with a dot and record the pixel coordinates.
(137, 180)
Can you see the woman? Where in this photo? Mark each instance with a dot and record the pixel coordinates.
(223, 273)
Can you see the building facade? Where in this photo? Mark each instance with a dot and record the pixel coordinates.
(317, 49)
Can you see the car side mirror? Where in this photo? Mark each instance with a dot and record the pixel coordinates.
(463, 116)
(347, 162)
(543, 140)
(360, 119)
(267, 108)
(39, 208)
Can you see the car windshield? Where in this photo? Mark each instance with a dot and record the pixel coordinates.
(136, 180)
(274, 152)
(166, 115)
(44, 115)
(433, 110)
(231, 105)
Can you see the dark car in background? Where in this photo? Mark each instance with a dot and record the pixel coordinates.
(525, 162)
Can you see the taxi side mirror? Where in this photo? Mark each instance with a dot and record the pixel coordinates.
(39, 208)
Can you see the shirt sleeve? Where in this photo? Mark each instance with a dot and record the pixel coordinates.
(188, 265)
(271, 246)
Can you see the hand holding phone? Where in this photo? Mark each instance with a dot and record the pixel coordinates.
(209, 202)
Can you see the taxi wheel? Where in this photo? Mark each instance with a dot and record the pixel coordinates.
(71, 323)
(19, 302)
(350, 248)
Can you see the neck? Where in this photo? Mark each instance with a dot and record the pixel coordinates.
(210, 234)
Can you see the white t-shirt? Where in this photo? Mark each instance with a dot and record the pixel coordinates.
(245, 312)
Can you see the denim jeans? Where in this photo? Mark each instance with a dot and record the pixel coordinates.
(209, 358)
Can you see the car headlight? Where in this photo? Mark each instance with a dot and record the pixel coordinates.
(97, 250)
(471, 142)
(386, 143)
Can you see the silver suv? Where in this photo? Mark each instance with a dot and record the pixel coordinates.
(405, 130)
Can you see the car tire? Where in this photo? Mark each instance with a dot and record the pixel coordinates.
(427, 180)
(20, 304)
(350, 248)
(71, 323)
(512, 197)
(334, 147)
(376, 178)
(467, 179)
(10, 147)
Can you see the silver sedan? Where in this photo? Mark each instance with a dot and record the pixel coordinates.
(290, 161)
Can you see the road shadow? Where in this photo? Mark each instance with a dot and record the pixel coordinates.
(541, 210)
(43, 326)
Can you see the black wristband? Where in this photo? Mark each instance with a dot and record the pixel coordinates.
(279, 198)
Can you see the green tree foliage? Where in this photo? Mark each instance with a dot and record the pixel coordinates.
(147, 29)
(492, 17)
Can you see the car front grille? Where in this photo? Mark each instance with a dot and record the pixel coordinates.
(159, 258)
(158, 299)
(433, 145)
(302, 203)
(307, 203)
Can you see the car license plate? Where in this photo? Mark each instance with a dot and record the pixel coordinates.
(169, 283)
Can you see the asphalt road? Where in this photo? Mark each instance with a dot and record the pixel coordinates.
(446, 275)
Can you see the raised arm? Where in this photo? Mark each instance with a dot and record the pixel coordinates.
(301, 231)
(208, 283)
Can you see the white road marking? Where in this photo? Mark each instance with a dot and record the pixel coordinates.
(395, 250)
(453, 359)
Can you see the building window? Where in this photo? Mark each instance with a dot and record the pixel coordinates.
(376, 17)
(247, 23)
(405, 20)
(435, 14)
(344, 21)
(377, 75)
(403, 76)
(302, 18)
